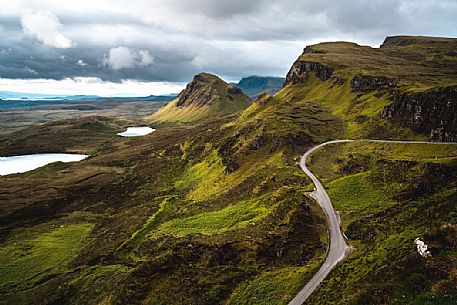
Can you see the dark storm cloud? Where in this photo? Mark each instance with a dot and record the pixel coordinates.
(107, 39)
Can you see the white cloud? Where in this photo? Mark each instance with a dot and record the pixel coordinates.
(45, 26)
(81, 63)
(124, 58)
(89, 86)
(145, 58)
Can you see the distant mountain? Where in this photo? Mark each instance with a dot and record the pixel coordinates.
(253, 86)
(206, 96)
(25, 95)
(7, 101)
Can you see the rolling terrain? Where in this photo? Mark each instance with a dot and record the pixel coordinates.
(213, 208)
(19, 114)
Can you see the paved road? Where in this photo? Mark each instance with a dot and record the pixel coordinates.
(338, 249)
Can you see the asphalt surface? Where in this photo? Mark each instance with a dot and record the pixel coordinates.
(338, 249)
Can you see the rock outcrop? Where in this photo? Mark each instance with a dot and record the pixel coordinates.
(300, 70)
(370, 83)
(204, 97)
(200, 91)
(432, 112)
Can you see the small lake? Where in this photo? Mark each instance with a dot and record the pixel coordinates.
(136, 132)
(25, 163)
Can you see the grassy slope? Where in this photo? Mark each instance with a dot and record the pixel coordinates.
(161, 231)
(420, 65)
(29, 256)
(415, 67)
(388, 195)
(173, 189)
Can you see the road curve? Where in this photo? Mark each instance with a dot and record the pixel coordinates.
(338, 249)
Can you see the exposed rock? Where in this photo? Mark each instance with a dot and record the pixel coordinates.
(371, 83)
(200, 91)
(338, 81)
(232, 90)
(301, 69)
(432, 112)
(206, 92)
(422, 248)
(264, 99)
(259, 142)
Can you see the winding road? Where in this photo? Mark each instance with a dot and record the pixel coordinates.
(338, 249)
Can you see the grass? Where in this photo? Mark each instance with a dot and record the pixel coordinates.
(233, 217)
(273, 287)
(180, 203)
(128, 248)
(357, 197)
(360, 114)
(382, 214)
(27, 257)
(411, 64)
(204, 178)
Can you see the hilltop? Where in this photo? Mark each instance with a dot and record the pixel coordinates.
(406, 88)
(204, 97)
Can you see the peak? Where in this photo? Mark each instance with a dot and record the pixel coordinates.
(205, 96)
(204, 89)
(205, 77)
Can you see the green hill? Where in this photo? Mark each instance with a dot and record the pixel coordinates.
(218, 212)
(207, 96)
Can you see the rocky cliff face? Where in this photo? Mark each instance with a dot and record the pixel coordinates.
(300, 69)
(433, 112)
(200, 91)
(371, 83)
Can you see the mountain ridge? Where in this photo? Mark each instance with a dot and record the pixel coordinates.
(255, 85)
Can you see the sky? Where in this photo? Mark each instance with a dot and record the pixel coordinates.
(118, 47)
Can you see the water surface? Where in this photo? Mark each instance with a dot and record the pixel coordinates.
(136, 132)
(25, 163)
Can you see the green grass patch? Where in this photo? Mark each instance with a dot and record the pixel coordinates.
(273, 287)
(203, 179)
(128, 248)
(233, 217)
(28, 256)
(357, 197)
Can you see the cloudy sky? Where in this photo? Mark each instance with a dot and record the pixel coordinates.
(153, 46)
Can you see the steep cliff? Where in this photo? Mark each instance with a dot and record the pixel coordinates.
(371, 83)
(300, 70)
(432, 112)
(370, 88)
